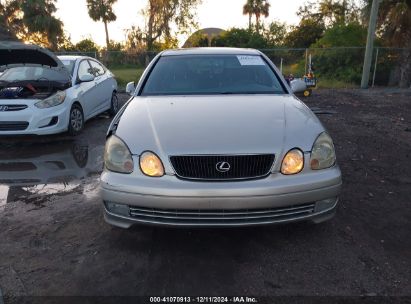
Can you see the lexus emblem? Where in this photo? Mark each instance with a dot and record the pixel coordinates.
(3, 108)
(223, 166)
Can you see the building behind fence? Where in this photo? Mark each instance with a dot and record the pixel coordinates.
(332, 66)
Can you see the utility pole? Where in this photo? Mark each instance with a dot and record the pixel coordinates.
(370, 44)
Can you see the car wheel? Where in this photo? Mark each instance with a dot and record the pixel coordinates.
(114, 104)
(307, 93)
(76, 120)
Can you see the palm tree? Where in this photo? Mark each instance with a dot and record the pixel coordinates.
(42, 27)
(102, 10)
(248, 9)
(261, 8)
(10, 23)
(258, 8)
(31, 21)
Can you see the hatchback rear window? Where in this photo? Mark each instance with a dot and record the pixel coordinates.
(212, 74)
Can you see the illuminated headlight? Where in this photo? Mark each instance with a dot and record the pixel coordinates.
(293, 162)
(117, 156)
(52, 101)
(151, 165)
(323, 152)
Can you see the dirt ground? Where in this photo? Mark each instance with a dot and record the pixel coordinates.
(54, 241)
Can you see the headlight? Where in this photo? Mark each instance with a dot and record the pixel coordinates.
(52, 101)
(151, 165)
(117, 156)
(293, 162)
(323, 152)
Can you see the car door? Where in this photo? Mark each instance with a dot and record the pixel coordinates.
(87, 90)
(104, 88)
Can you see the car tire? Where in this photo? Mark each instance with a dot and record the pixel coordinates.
(76, 120)
(307, 93)
(114, 104)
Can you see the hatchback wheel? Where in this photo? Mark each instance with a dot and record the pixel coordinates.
(76, 120)
(307, 93)
(114, 104)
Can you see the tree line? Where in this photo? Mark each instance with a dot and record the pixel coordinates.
(35, 21)
(328, 24)
(323, 23)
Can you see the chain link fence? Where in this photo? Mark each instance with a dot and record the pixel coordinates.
(117, 58)
(334, 67)
(341, 66)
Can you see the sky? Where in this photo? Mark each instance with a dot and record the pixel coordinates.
(211, 13)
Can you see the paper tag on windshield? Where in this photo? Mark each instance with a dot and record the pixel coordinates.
(250, 60)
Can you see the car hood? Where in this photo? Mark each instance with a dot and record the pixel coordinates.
(14, 54)
(218, 125)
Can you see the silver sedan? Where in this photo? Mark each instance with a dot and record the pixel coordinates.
(215, 137)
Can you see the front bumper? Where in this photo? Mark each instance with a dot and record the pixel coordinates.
(40, 121)
(168, 200)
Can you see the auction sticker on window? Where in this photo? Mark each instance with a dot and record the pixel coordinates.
(250, 60)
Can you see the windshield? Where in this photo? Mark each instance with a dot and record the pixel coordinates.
(33, 74)
(69, 64)
(212, 74)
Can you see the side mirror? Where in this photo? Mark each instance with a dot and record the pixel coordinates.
(130, 88)
(86, 78)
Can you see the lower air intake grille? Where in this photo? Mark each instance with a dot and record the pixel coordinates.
(221, 217)
(13, 125)
(222, 167)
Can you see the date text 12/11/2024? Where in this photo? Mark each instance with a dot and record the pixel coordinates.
(238, 299)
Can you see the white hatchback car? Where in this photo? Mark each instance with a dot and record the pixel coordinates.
(42, 94)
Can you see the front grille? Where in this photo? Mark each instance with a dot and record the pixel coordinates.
(10, 108)
(205, 167)
(13, 125)
(221, 217)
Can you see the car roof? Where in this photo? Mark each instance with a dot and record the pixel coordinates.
(210, 51)
(73, 57)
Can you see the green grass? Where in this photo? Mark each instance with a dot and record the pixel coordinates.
(324, 82)
(125, 75)
(294, 69)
